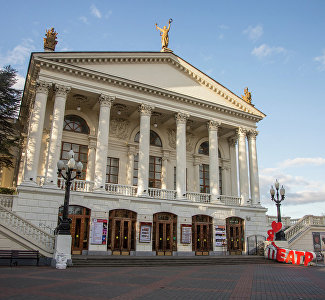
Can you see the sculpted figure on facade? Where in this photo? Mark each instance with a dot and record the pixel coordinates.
(248, 96)
(119, 128)
(190, 138)
(50, 40)
(164, 36)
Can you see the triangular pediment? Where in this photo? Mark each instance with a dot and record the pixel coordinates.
(162, 70)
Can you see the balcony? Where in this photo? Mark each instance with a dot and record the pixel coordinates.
(153, 193)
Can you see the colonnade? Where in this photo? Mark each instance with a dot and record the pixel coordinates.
(249, 185)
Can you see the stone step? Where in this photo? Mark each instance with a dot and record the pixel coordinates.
(115, 261)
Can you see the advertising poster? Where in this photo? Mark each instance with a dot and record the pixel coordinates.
(145, 232)
(186, 234)
(322, 240)
(99, 231)
(220, 235)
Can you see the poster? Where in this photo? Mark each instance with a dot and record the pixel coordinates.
(322, 240)
(186, 232)
(145, 232)
(220, 235)
(99, 231)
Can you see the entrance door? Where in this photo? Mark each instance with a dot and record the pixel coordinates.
(79, 227)
(235, 235)
(121, 231)
(164, 233)
(202, 234)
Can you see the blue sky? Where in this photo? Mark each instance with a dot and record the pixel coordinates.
(276, 48)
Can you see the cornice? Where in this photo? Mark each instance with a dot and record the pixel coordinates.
(62, 65)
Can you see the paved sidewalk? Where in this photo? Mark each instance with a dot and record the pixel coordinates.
(275, 281)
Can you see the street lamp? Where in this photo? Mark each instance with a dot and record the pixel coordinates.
(279, 236)
(64, 226)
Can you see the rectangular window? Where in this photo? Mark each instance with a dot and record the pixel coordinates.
(112, 168)
(80, 154)
(155, 164)
(204, 179)
(220, 181)
(135, 169)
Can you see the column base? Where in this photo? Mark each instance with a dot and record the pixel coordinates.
(29, 183)
(62, 251)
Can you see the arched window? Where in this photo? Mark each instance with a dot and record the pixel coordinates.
(154, 139)
(204, 149)
(75, 124)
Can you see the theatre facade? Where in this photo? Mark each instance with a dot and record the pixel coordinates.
(169, 155)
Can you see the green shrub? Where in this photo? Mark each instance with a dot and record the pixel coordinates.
(7, 191)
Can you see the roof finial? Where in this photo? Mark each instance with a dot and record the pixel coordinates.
(50, 40)
(248, 96)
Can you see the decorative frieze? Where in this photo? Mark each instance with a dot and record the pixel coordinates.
(119, 128)
(190, 138)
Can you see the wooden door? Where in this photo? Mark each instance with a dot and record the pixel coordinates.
(79, 227)
(121, 232)
(235, 235)
(164, 233)
(202, 234)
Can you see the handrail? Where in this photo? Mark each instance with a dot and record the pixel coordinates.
(26, 230)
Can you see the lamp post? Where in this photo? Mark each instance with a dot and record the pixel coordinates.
(64, 226)
(279, 236)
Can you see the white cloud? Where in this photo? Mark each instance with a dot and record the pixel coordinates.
(95, 11)
(265, 51)
(254, 33)
(84, 19)
(301, 161)
(108, 14)
(223, 26)
(19, 54)
(20, 82)
(321, 60)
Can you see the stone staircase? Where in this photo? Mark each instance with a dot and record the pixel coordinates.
(22, 231)
(134, 261)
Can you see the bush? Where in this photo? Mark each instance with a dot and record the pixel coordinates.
(7, 191)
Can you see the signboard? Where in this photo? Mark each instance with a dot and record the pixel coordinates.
(220, 235)
(319, 243)
(145, 232)
(186, 233)
(99, 231)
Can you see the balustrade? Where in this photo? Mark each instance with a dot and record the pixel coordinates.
(120, 189)
(6, 201)
(162, 194)
(198, 197)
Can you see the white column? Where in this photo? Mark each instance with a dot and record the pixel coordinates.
(144, 144)
(253, 167)
(233, 161)
(102, 140)
(130, 167)
(92, 141)
(213, 159)
(197, 162)
(243, 169)
(35, 132)
(164, 169)
(181, 119)
(54, 150)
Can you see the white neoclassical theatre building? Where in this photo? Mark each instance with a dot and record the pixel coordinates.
(169, 155)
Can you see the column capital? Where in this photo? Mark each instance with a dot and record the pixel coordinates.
(132, 150)
(61, 90)
(197, 159)
(145, 109)
(43, 86)
(241, 131)
(252, 134)
(106, 100)
(181, 118)
(213, 125)
(233, 141)
(166, 154)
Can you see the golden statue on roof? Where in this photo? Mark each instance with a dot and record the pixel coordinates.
(164, 37)
(248, 96)
(50, 40)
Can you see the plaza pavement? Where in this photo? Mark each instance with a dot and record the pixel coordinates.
(254, 281)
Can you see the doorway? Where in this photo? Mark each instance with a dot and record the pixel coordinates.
(202, 234)
(79, 227)
(164, 233)
(121, 231)
(235, 235)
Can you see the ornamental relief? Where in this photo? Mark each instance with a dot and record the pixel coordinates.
(190, 138)
(119, 128)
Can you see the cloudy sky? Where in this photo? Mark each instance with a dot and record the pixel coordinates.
(276, 48)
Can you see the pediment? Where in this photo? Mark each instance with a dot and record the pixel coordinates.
(163, 70)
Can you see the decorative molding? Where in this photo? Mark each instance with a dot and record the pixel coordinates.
(241, 132)
(190, 138)
(146, 109)
(92, 142)
(233, 141)
(61, 90)
(119, 128)
(213, 125)
(106, 100)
